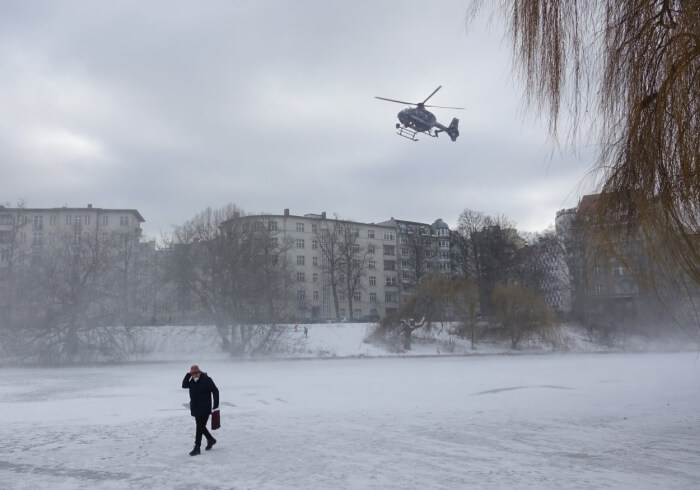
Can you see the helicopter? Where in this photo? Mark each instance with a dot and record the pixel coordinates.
(418, 119)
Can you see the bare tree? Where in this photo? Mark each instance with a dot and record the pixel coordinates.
(466, 301)
(330, 236)
(485, 251)
(630, 70)
(236, 268)
(421, 255)
(352, 262)
(70, 288)
(430, 302)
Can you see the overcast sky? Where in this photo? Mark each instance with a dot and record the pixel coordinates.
(169, 107)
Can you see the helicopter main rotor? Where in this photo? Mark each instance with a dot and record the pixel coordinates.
(420, 104)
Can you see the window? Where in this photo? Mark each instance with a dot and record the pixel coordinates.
(370, 233)
(445, 267)
(373, 297)
(301, 277)
(77, 220)
(405, 252)
(371, 264)
(272, 242)
(444, 243)
(314, 277)
(444, 255)
(599, 290)
(69, 219)
(300, 243)
(389, 250)
(301, 295)
(358, 312)
(618, 271)
(301, 260)
(105, 220)
(390, 281)
(388, 298)
(355, 232)
(403, 240)
(357, 296)
(389, 265)
(314, 244)
(6, 219)
(300, 226)
(356, 263)
(314, 228)
(87, 219)
(36, 239)
(372, 280)
(272, 225)
(123, 221)
(4, 255)
(38, 222)
(355, 247)
(370, 249)
(314, 261)
(341, 295)
(316, 296)
(342, 311)
(406, 276)
(389, 235)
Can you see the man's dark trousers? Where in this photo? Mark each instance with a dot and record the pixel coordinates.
(201, 429)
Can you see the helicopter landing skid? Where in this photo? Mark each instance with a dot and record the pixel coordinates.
(407, 132)
(410, 133)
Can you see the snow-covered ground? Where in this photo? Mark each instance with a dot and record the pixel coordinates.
(528, 421)
(348, 340)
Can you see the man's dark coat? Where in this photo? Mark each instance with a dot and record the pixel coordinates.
(200, 394)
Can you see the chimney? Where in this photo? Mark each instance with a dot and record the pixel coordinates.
(286, 211)
(89, 206)
(236, 214)
(323, 215)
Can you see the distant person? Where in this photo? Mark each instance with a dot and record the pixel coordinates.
(306, 332)
(295, 326)
(202, 388)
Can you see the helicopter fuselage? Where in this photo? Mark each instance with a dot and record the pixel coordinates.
(417, 118)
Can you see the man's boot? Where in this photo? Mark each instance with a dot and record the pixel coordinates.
(210, 443)
(195, 451)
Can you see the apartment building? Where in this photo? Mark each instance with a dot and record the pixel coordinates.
(422, 248)
(25, 229)
(312, 240)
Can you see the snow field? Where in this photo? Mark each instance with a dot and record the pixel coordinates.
(546, 421)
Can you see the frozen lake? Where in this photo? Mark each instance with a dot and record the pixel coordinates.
(545, 421)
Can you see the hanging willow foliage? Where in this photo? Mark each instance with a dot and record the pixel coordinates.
(629, 71)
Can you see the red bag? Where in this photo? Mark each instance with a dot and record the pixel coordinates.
(215, 419)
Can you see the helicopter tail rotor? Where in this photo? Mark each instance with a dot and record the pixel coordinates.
(453, 129)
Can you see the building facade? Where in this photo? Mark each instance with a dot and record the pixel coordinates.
(324, 252)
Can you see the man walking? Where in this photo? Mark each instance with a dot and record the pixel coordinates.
(202, 388)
